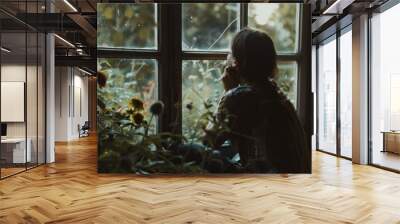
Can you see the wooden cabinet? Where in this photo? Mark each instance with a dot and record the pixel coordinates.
(391, 142)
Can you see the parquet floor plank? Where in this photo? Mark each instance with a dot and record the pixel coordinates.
(71, 191)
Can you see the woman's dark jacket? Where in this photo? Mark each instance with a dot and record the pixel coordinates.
(265, 129)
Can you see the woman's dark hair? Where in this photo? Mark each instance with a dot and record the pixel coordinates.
(255, 54)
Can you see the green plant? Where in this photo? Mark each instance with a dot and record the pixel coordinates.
(129, 143)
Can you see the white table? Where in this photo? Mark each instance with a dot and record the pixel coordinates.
(19, 155)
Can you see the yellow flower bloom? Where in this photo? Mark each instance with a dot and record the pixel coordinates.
(136, 103)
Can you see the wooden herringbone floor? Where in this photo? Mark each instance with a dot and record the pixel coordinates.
(70, 191)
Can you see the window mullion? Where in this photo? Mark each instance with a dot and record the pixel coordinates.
(243, 15)
(170, 74)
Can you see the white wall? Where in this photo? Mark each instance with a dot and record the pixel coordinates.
(71, 102)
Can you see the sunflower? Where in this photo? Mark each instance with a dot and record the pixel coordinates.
(138, 118)
(136, 104)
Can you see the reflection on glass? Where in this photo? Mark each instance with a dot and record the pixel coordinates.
(209, 26)
(346, 94)
(287, 80)
(327, 97)
(385, 87)
(126, 25)
(280, 21)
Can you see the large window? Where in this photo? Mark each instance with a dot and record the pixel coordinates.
(206, 32)
(334, 94)
(385, 89)
(346, 94)
(327, 96)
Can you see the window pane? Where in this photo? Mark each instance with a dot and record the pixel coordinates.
(287, 80)
(280, 21)
(200, 84)
(209, 26)
(346, 94)
(327, 97)
(127, 25)
(127, 78)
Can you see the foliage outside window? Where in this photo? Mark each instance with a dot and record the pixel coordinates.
(209, 27)
(278, 20)
(200, 84)
(206, 27)
(126, 25)
(127, 78)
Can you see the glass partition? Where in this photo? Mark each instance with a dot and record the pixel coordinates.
(22, 91)
(14, 145)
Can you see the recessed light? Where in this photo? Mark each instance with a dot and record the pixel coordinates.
(86, 72)
(337, 7)
(5, 50)
(70, 5)
(64, 40)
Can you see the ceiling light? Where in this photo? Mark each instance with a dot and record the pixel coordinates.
(70, 5)
(337, 7)
(65, 41)
(5, 50)
(84, 71)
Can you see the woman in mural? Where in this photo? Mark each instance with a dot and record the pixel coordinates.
(266, 131)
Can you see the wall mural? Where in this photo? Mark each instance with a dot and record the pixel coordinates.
(219, 130)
